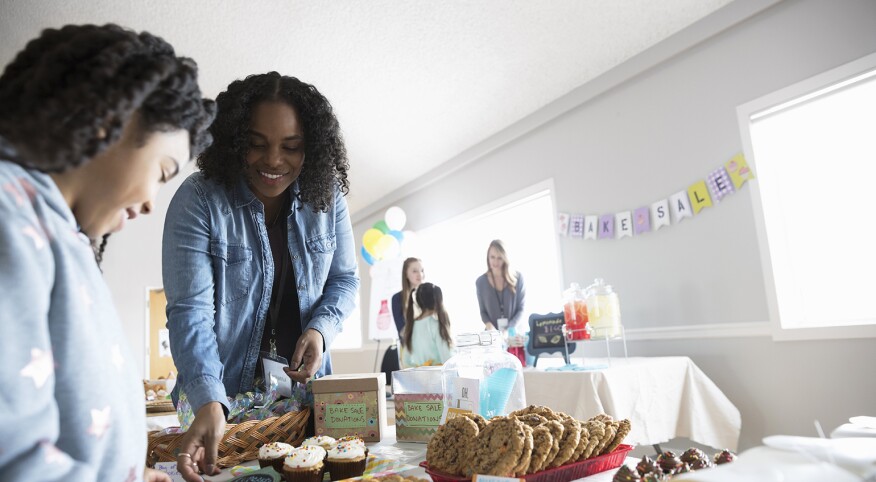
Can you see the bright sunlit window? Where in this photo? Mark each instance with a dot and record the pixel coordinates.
(454, 254)
(351, 335)
(814, 154)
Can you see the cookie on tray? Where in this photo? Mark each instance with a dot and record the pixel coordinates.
(568, 444)
(478, 419)
(526, 455)
(623, 430)
(605, 440)
(556, 429)
(531, 419)
(448, 449)
(583, 442)
(596, 429)
(498, 448)
(542, 440)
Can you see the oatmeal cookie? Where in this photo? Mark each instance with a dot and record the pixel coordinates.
(449, 448)
(622, 431)
(526, 455)
(568, 443)
(497, 449)
(542, 441)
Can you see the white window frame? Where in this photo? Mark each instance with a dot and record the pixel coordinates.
(488, 209)
(776, 101)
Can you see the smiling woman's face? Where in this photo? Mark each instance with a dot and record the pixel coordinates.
(122, 181)
(276, 150)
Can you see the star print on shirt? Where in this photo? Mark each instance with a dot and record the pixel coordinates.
(118, 359)
(40, 368)
(100, 421)
(132, 475)
(15, 193)
(86, 298)
(32, 233)
(53, 454)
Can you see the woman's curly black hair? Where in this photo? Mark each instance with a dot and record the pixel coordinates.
(325, 157)
(67, 96)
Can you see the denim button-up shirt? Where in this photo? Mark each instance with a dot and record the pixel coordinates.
(218, 272)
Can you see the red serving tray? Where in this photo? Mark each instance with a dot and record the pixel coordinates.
(563, 473)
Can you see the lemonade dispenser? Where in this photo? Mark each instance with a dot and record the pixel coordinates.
(575, 313)
(603, 310)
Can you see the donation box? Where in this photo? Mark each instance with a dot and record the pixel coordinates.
(350, 405)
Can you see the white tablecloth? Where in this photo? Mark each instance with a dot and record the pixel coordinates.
(664, 398)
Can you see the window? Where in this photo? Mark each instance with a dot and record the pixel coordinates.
(351, 335)
(454, 254)
(813, 148)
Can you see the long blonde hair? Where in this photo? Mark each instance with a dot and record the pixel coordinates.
(508, 274)
(406, 285)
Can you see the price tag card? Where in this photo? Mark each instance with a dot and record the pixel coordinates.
(495, 478)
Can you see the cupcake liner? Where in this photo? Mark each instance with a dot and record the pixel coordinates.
(304, 475)
(277, 463)
(346, 469)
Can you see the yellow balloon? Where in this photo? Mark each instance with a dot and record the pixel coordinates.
(383, 245)
(369, 239)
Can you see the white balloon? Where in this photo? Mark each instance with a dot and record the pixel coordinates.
(395, 218)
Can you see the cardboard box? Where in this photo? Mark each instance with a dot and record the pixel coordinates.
(352, 404)
(419, 403)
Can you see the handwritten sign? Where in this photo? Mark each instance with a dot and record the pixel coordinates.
(546, 335)
(423, 414)
(345, 415)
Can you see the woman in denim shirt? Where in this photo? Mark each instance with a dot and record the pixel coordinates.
(94, 119)
(258, 249)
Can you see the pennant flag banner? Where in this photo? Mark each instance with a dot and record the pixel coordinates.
(591, 227)
(576, 228)
(624, 223)
(699, 196)
(717, 185)
(660, 214)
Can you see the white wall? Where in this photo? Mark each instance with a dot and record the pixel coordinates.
(652, 135)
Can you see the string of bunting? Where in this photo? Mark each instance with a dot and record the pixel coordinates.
(720, 183)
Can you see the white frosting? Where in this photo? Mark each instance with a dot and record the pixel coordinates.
(274, 450)
(305, 457)
(323, 441)
(347, 450)
(352, 440)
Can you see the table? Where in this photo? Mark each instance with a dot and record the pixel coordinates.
(414, 453)
(664, 398)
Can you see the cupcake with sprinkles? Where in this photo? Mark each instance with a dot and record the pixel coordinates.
(272, 455)
(305, 464)
(323, 441)
(352, 440)
(347, 459)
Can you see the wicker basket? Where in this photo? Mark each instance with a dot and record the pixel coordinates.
(241, 441)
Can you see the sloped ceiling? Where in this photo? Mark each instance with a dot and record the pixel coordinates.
(414, 83)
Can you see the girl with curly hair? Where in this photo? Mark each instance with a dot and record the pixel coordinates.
(94, 119)
(258, 249)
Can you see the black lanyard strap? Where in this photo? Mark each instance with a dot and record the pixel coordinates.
(277, 297)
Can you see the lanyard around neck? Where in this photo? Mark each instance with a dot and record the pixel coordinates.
(277, 296)
(499, 298)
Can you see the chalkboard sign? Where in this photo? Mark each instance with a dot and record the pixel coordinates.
(546, 335)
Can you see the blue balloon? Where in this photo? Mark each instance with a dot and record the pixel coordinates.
(367, 257)
(397, 235)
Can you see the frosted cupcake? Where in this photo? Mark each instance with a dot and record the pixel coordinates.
(323, 441)
(272, 455)
(346, 459)
(304, 464)
(350, 439)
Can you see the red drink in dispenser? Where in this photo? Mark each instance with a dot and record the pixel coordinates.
(575, 311)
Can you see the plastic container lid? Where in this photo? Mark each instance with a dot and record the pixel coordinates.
(483, 338)
(600, 288)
